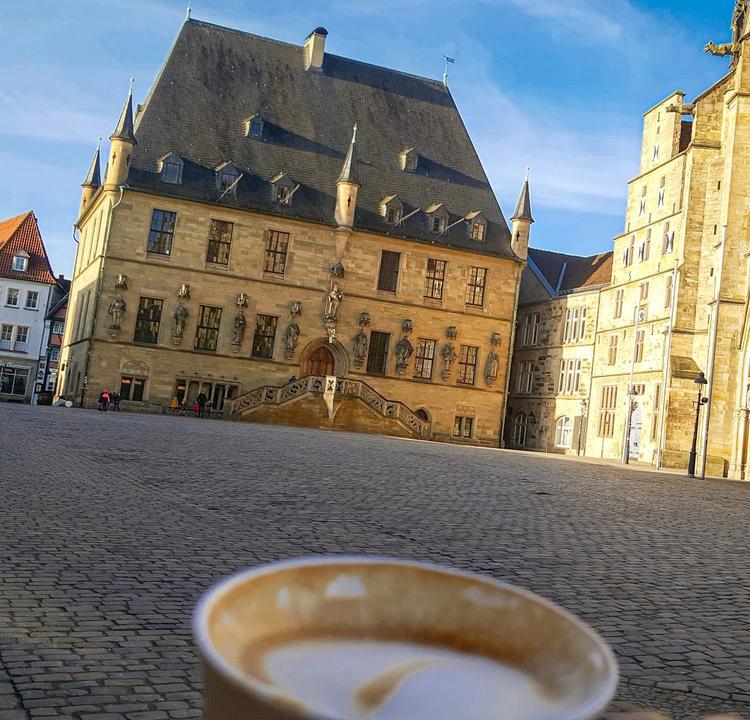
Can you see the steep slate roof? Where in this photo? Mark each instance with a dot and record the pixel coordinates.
(22, 233)
(578, 273)
(216, 78)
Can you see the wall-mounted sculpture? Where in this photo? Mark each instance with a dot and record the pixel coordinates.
(291, 338)
(492, 365)
(407, 326)
(121, 282)
(238, 330)
(242, 300)
(449, 355)
(452, 332)
(404, 350)
(178, 327)
(184, 292)
(361, 340)
(295, 309)
(337, 269)
(117, 310)
(331, 310)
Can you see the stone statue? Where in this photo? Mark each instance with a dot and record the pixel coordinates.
(337, 269)
(291, 338)
(491, 368)
(117, 310)
(238, 331)
(722, 49)
(179, 320)
(295, 309)
(333, 302)
(404, 350)
(449, 355)
(360, 347)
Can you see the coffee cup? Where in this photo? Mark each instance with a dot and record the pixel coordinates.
(343, 638)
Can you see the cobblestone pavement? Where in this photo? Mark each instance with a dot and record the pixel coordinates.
(112, 525)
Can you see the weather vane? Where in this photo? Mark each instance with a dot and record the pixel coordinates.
(452, 61)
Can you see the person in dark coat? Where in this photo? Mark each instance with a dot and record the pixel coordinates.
(201, 400)
(115, 398)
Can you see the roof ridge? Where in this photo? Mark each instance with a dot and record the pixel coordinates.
(274, 41)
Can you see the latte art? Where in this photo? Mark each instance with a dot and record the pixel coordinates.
(379, 680)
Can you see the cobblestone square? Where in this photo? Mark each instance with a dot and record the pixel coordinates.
(113, 524)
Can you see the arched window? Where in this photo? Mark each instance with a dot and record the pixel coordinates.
(564, 432)
(520, 430)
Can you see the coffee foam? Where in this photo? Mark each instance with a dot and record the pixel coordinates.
(349, 679)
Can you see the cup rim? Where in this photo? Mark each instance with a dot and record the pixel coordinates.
(588, 709)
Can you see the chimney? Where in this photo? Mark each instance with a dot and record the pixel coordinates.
(315, 47)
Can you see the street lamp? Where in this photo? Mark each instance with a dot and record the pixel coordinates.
(582, 411)
(701, 382)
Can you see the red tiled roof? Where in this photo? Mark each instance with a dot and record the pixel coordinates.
(22, 233)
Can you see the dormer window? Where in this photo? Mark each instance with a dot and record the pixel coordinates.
(391, 209)
(409, 160)
(437, 218)
(171, 169)
(477, 226)
(254, 127)
(283, 188)
(226, 177)
(21, 261)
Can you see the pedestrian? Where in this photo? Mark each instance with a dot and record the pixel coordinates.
(104, 400)
(173, 405)
(201, 401)
(209, 406)
(196, 408)
(115, 397)
(182, 410)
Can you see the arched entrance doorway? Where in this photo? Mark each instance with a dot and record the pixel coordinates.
(319, 362)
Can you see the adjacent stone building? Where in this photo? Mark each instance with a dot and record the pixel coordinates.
(678, 303)
(297, 237)
(26, 282)
(553, 362)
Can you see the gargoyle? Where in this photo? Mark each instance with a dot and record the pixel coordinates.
(722, 50)
(684, 109)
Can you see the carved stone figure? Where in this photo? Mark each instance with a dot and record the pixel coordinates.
(330, 327)
(449, 355)
(452, 332)
(291, 338)
(722, 49)
(364, 319)
(404, 350)
(242, 300)
(491, 368)
(360, 348)
(184, 292)
(121, 283)
(117, 309)
(238, 330)
(179, 321)
(295, 309)
(333, 302)
(337, 269)
(495, 339)
(407, 326)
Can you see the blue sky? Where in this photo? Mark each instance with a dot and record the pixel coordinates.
(558, 85)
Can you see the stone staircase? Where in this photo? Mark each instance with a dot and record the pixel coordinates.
(346, 388)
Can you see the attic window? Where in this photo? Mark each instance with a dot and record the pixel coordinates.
(254, 127)
(437, 218)
(226, 177)
(438, 223)
(171, 169)
(283, 189)
(282, 194)
(21, 262)
(409, 160)
(391, 209)
(477, 231)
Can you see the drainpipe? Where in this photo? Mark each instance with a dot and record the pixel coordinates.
(712, 351)
(629, 415)
(667, 368)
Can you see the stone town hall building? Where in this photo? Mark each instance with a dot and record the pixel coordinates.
(275, 215)
(677, 303)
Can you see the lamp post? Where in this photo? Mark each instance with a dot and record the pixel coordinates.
(582, 414)
(701, 382)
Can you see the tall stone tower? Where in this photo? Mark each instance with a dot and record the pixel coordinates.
(122, 141)
(522, 221)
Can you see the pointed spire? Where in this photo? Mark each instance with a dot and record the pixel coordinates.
(523, 208)
(93, 176)
(349, 171)
(124, 129)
